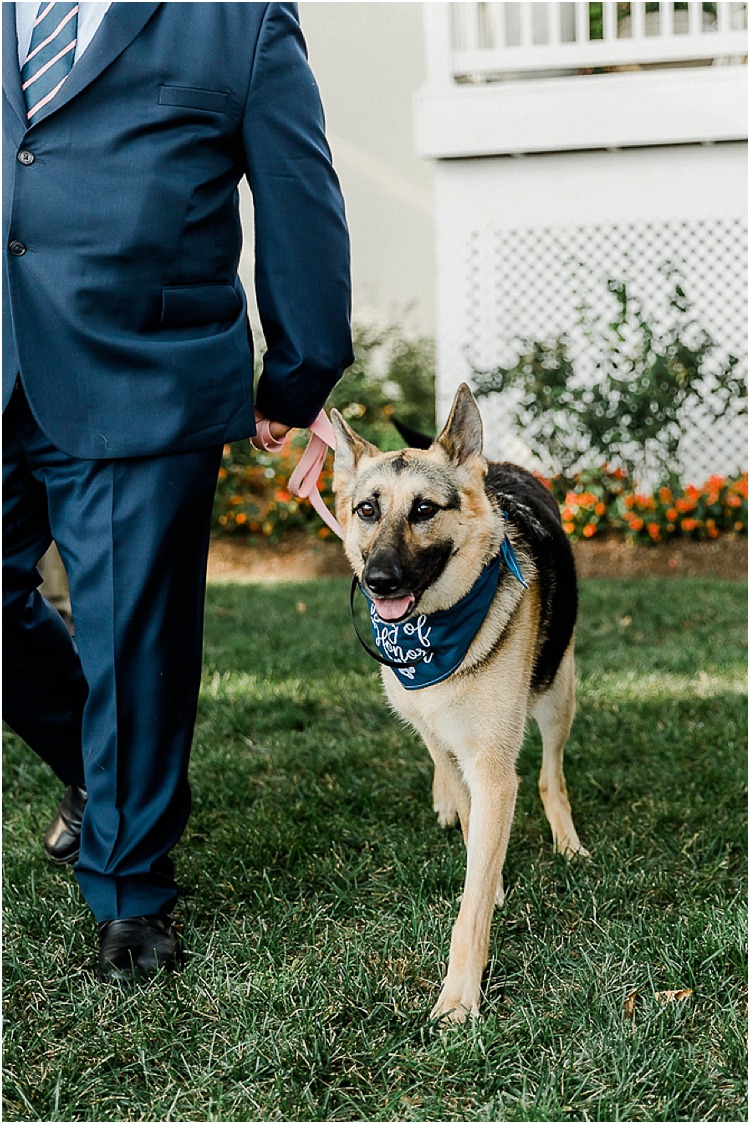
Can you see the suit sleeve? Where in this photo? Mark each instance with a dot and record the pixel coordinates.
(302, 269)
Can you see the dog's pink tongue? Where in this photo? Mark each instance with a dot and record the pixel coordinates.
(393, 608)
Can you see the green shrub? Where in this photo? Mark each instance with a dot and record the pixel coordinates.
(390, 376)
(637, 409)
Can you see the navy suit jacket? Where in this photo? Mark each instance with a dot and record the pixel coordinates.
(123, 312)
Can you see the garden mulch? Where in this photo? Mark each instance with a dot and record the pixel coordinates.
(298, 558)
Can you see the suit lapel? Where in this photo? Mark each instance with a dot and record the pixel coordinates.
(118, 29)
(11, 69)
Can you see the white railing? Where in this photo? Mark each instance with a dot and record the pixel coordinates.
(486, 42)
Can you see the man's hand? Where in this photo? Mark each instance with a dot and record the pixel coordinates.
(270, 433)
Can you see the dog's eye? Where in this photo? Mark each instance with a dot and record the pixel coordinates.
(368, 511)
(424, 510)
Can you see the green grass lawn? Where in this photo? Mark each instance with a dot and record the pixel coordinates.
(319, 894)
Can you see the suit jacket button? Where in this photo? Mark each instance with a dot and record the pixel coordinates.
(17, 249)
(25, 157)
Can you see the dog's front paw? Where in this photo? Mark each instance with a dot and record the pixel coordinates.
(456, 1004)
(446, 813)
(500, 893)
(571, 847)
(443, 801)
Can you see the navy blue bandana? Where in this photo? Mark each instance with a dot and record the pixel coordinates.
(432, 646)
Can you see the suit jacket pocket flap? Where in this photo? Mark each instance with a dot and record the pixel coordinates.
(212, 100)
(187, 306)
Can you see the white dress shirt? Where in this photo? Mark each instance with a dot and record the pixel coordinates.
(90, 15)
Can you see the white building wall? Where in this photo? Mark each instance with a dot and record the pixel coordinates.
(546, 187)
(522, 242)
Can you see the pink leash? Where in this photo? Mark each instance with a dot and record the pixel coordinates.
(303, 482)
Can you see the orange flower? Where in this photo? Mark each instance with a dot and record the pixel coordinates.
(569, 527)
(672, 514)
(589, 530)
(600, 508)
(241, 517)
(636, 524)
(665, 495)
(654, 532)
(689, 524)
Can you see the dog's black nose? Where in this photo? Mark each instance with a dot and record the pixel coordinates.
(383, 574)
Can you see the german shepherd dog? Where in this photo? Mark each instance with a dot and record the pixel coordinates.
(421, 528)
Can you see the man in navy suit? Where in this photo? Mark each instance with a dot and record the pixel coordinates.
(127, 366)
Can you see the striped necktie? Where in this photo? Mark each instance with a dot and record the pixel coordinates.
(51, 53)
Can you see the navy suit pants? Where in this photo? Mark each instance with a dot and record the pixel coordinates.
(114, 709)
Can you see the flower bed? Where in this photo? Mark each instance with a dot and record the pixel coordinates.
(253, 497)
(252, 494)
(601, 503)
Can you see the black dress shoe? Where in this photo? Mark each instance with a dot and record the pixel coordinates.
(62, 839)
(134, 948)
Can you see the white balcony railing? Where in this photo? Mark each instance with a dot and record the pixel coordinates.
(511, 78)
(496, 41)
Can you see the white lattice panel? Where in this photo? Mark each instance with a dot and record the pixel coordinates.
(530, 283)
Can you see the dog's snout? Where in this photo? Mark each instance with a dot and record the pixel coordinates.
(383, 573)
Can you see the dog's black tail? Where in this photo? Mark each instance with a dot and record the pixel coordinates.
(413, 438)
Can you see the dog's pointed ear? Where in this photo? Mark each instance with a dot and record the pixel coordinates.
(350, 447)
(462, 436)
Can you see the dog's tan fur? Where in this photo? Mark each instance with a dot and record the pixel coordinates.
(473, 722)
